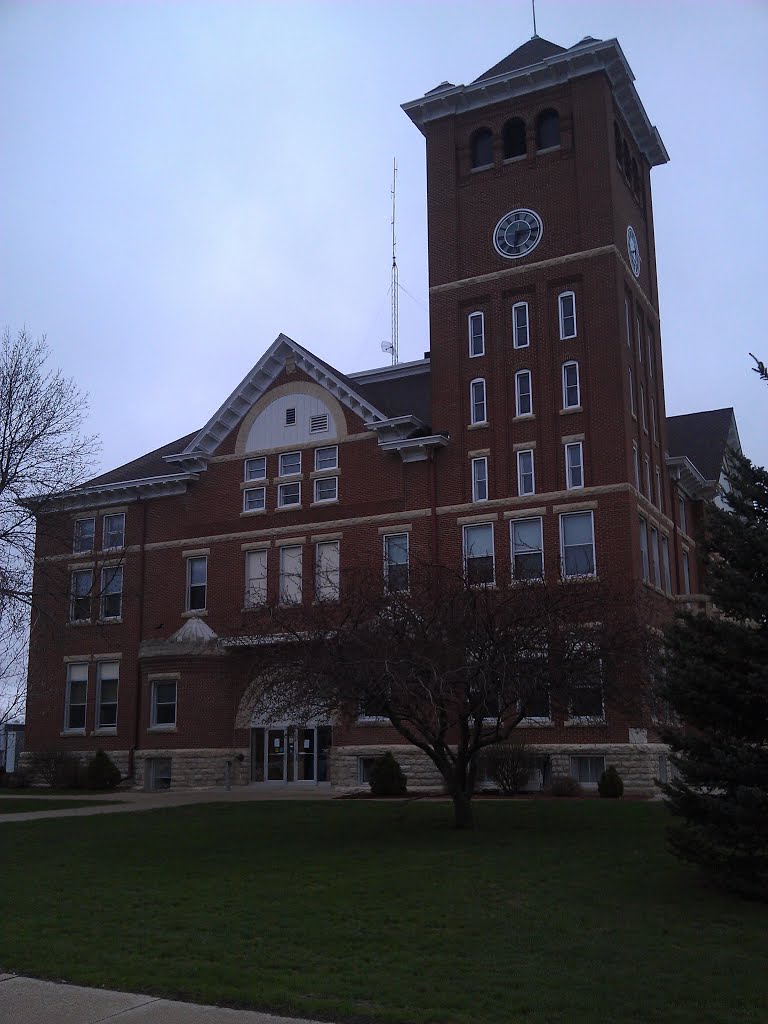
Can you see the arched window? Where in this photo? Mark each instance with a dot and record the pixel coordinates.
(547, 129)
(482, 147)
(514, 138)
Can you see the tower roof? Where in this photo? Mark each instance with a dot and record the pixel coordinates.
(532, 52)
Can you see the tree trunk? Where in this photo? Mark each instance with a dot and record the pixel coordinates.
(464, 815)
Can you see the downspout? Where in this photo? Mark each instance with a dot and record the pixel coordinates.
(137, 702)
(433, 503)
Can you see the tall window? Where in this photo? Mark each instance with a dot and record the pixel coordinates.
(482, 148)
(114, 530)
(686, 573)
(396, 561)
(574, 465)
(665, 564)
(327, 570)
(106, 694)
(523, 396)
(477, 401)
(163, 704)
(514, 138)
(520, 328)
(326, 458)
(654, 556)
(85, 530)
(651, 358)
(643, 417)
(197, 583)
(112, 592)
(254, 499)
(527, 549)
(478, 555)
(476, 325)
(526, 481)
(290, 463)
(571, 389)
(639, 325)
(567, 308)
(288, 494)
(632, 392)
(480, 479)
(644, 550)
(628, 322)
(648, 489)
(659, 491)
(76, 697)
(80, 595)
(636, 464)
(681, 513)
(327, 489)
(577, 544)
(654, 424)
(547, 129)
(290, 574)
(586, 698)
(255, 577)
(256, 469)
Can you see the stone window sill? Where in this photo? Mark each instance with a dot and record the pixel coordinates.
(253, 512)
(571, 409)
(588, 723)
(478, 426)
(106, 731)
(72, 732)
(162, 728)
(195, 613)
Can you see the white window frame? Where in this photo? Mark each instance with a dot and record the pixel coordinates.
(686, 571)
(104, 531)
(465, 532)
(516, 330)
(71, 668)
(518, 394)
(566, 403)
(79, 550)
(101, 668)
(480, 483)
(290, 416)
(665, 564)
(639, 339)
(285, 598)
(286, 455)
(648, 484)
(654, 424)
(329, 589)
(628, 320)
(645, 558)
(478, 382)
(654, 555)
(560, 298)
(682, 514)
(73, 595)
(256, 595)
(650, 355)
(520, 491)
(114, 571)
(281, 489)
(164, 726)
(570, 485)
(247, 475)
(322, 481)
(632, 406)
(328, 448)
(319, 423)
(512, 553)
(575, 759)
(580, 575)
(188, 602)
(255, 490)
(643, 417)
(472, 319)
(659, 490)
(386, 538)
(636, 462)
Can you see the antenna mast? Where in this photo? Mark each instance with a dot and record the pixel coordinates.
(395, 287)
(533, 8)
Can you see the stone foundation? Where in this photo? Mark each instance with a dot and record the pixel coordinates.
(195, 769)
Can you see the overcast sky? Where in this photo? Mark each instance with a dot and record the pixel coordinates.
(179, 182)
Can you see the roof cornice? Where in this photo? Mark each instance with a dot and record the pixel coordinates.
(587, 59)
(122, 492)
(682, 470)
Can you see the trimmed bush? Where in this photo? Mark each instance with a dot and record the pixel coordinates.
(565, 785)
(102, 772)
(509, 765)
(386, 777)
(610, 784)
(57, 769)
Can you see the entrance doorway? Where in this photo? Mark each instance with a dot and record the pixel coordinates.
(290, 753)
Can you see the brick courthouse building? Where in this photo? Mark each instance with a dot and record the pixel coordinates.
(532, 437)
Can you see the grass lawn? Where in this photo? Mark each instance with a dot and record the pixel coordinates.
(553, 912)
(21, 804)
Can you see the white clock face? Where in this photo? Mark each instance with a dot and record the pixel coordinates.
(634, 251)
(517, 234)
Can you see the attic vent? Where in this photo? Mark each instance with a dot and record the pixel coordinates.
(318, 424)
(290, 417)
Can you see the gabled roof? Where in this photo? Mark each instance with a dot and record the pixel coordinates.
(152, 464)
(532, 52)
(704, 438)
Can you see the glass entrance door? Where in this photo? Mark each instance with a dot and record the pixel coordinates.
(290, 753)
(276, 755)
(305, 755)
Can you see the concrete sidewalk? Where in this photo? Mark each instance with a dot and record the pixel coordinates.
(29, 1001)
(141, 801)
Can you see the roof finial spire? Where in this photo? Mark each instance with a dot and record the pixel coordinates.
(533, 9)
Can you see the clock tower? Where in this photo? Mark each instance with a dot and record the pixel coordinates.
(545, 341)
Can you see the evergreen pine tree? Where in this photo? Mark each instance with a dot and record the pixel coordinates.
(717, 684)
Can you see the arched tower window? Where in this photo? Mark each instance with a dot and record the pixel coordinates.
(482, 147)
(547, 129)
(514, 138)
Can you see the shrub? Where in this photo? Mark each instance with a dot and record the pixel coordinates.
(509, 765)
(57, 769)
(610, 784)
(386, 777)
(102, 772)
(564, 785)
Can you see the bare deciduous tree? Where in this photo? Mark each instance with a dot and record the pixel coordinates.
(454, 667)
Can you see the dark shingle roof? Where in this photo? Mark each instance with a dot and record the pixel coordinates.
(401, 396)
(149, 465)
(532, 52)
(702, 437)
